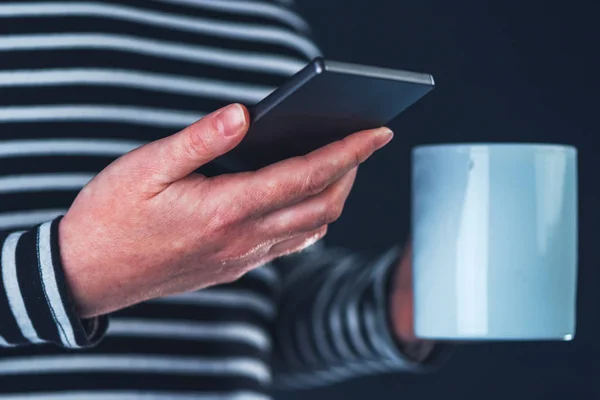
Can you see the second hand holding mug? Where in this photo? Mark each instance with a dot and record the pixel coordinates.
(494, 230)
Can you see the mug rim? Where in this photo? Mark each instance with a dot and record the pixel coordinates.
(486, 146)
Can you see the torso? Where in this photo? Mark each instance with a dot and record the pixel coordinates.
(81, 83)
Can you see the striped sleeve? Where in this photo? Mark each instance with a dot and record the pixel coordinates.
(334, 321)
(34, 302)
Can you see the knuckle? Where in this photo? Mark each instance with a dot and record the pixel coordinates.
(336, 212)
(198, 143)
(225, 210)
(309, 186)
(314, 181)
(357, 158)
(270, 188)
(332, 212)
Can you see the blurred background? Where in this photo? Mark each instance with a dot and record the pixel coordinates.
(506, 70)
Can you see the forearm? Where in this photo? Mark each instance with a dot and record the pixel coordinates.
(34, 302)
(334, 320)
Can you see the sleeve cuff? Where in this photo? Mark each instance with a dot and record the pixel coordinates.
(80, 333)
(398, 356)
(35, 301)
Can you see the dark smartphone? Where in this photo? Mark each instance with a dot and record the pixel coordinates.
(322, 103)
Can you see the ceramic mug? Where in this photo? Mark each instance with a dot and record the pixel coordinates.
(494, 230)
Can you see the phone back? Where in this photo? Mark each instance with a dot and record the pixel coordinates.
(322, 103)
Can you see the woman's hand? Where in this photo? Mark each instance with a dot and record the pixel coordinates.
(148, 225)
(402, 308)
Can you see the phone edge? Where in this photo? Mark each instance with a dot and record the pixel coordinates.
(379, 72)
(314, 68)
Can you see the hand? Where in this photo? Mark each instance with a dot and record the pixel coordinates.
(402, 308)
(149, 226)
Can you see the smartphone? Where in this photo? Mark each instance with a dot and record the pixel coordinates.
(322, 103)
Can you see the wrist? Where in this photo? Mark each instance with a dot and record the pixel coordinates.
(74, 331)
(80, 285)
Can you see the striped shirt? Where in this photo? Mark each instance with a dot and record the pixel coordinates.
(83, 82)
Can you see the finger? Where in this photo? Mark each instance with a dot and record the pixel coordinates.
(176, 156)
(309, 214)
(297, 243)
(292, 180)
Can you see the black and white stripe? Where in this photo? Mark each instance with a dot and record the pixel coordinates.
(334, 322)
(219, 31)
(136, 395)
(32, 286)
(84, 82)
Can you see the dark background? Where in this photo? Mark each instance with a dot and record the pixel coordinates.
(518, 71)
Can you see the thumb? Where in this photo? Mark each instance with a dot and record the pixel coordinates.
(178, 155)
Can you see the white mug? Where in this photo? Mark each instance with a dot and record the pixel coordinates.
(494, 230)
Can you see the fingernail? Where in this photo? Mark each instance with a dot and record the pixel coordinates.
(384, 136)
(231, 120)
